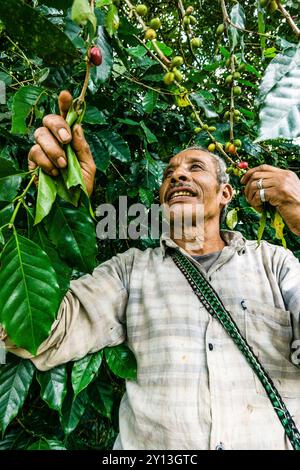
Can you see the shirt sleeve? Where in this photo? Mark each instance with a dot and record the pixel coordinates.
(289, 282)
(91, 316)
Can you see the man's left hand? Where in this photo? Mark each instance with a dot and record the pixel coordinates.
(281, 190)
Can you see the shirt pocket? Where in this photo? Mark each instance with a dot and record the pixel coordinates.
(269, 333)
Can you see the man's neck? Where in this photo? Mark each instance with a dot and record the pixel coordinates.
(197, 243)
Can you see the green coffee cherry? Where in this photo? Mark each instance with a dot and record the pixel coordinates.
(189, 10)
(237, 90)
(205, 127)
(178, 75)
(169, 78)
(220, 29)
(212, 129)
(186, 21)
(229, 79)
(236, 75)
(155, 23)
(237, 143)
(196, 42)
(197, 130)
(193, 20)
(177, 61)
(141, 9)
(150, 34)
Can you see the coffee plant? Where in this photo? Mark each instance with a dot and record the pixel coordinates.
(148, 79)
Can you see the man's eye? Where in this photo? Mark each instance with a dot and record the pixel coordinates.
(168, 173)
(196, 165)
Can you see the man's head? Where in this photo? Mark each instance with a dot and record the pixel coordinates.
(202, 177)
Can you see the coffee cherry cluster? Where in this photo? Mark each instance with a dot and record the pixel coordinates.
(174, 73)
(189, 20)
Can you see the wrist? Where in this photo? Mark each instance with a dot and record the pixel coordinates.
(290, 212)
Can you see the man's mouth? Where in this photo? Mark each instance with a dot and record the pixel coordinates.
(180, 193)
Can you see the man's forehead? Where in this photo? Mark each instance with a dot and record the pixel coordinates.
(188, 155)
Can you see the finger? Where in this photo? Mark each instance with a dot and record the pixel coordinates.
(261, 168)
(50, 147)
(64, 102)
(251, 186)
(37, 157)
(58, 127)
(81, 146)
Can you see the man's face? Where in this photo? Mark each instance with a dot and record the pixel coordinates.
(194, 173)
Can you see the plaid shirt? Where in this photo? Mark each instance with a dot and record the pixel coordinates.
(194, 388)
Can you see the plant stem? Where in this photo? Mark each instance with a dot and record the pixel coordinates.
(19, 199)
(289, 19)
(81, 97)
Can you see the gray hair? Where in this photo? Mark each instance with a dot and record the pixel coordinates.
(222, 176)
(220, 164)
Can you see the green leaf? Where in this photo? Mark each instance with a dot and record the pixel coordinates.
(121, 361)
(30, 296)
(278, 224)
(72, 174)
(59, 4)
(166, 50)
(137, 51)
(36, 33)
(15, 379)
(5, 214)
(73, 233)
(202, 103)
(149, 135)
(47, 444)
(24, 102)
(9, 187)
(82, 13)
(62, 270)
(94, 116)
(149, 101)
(262, 226)
(280, 97)
(238, 18)
(99, 152)
(112, 20)
(102, 396)
(72, 410)
(232, 218)
(105, 145)
(47, 191)
(53, 386)
(85, 370)
(146, 196)
(101, 73)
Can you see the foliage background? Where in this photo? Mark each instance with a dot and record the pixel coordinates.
(133, 124)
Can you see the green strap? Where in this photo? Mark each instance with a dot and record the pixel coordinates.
(212, 302)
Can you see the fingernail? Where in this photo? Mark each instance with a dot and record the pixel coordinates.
(61, 162)
(64, 134)
(54, 172)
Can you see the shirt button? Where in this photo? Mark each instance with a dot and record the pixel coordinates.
(210, 346)
(220, 446)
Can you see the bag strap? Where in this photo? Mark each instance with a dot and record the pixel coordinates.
(212, 302)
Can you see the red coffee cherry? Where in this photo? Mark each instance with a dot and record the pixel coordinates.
(95, 56)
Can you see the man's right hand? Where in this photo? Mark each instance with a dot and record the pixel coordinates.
(48, 152)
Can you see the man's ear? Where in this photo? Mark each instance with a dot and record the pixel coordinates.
(227, 194)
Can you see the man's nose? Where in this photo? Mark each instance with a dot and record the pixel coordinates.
(179, 175)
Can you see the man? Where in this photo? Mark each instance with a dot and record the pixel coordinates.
(194, 388)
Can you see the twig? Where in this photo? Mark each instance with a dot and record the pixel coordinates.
(289, 19)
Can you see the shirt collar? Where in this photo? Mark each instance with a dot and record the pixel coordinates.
(234, 240)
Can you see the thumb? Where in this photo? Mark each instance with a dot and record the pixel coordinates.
(64, 102)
